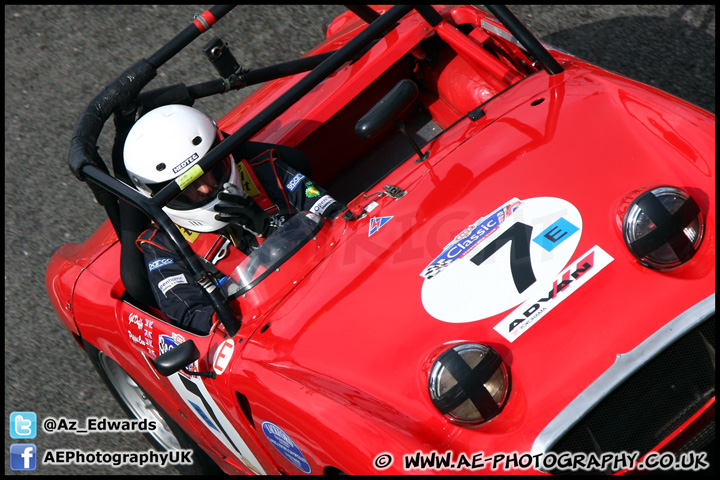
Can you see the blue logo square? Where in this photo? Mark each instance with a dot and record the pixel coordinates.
(23, 425)
(555, 234)
(23, 456)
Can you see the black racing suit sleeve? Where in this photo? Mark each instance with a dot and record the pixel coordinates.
(176, 292)
(290, 190)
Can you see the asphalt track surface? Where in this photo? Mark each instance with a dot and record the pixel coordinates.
(57, 58)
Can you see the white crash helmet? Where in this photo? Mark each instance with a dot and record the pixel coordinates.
(164, 144)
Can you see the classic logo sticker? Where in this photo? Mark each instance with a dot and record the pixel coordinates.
(567, 281)
(466, 240)
(376, 223)
(502, 260)
(285, 445)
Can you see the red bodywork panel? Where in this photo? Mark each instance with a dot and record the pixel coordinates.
(336, 347)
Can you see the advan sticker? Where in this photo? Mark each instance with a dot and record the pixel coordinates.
(512, 262)
(576, 274)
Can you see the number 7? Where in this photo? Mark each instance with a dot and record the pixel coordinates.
(520, 267)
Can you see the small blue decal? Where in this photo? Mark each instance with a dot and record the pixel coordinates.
(285, 445)
(294, 182)
(376, 223)
(159, 263)
(555, 234)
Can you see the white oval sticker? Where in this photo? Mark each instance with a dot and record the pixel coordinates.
(501, 260)
(223, 355)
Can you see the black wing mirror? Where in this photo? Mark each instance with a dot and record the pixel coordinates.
(178, 358)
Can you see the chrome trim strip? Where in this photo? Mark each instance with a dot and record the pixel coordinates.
(625, 365)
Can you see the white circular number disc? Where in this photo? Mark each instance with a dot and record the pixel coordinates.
(466, 291)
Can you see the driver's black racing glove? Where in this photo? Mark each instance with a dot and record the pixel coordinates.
(238, 207)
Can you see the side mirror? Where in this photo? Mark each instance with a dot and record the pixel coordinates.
(176, 358)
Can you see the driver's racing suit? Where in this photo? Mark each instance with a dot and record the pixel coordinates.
(175, 291)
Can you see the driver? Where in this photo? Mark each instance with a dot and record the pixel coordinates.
(214, 212)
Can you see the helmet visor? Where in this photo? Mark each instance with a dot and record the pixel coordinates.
(205, 189)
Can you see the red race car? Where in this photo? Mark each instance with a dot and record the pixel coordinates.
(521, 280)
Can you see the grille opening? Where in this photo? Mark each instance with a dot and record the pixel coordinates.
(652, 402)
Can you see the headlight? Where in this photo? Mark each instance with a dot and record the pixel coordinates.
(663, 228)
(469, 383)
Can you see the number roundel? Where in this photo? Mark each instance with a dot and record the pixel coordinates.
(501, 260)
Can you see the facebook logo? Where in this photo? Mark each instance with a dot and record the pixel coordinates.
(23, 425)
(23, 456)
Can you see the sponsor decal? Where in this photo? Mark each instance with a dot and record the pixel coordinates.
(246, 180)
(555, 234)
(311, 190)
(190, 176)
(189, 235)
(165, 344)
(371, 206)
(170, 282)
(285, 445)
(168, 342)
(186, 162)
(159, 263)
(503, 260)
(136, 339)
(223, 355)
(294, 182)
(144, 334)
(468, 239)
(134, 319)
(376, 223)
(567, 281)
(321, 205)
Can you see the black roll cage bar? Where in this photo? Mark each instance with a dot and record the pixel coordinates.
(122, 98)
